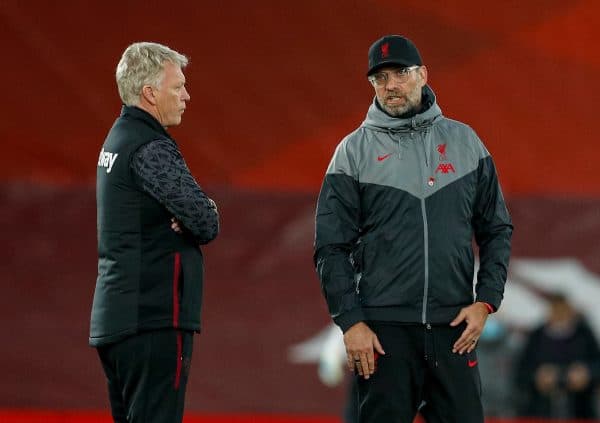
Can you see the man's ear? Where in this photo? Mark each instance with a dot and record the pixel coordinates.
(423, 73)
(148, 94)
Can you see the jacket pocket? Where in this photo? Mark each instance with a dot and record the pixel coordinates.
(365, 266)
(191, 286)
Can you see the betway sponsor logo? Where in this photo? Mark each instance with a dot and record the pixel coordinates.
(107, 159)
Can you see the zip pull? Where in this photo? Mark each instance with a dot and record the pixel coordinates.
(398, 142)
(427, 147)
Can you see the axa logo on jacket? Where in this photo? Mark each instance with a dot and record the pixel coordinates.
(444, 166)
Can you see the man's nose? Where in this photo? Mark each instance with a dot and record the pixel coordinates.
(186, 95)
(392, 83)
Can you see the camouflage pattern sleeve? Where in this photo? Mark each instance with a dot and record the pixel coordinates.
(162, 172)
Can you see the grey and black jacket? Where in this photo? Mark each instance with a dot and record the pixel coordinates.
(400, 204)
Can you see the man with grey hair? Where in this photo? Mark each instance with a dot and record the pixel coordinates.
(152, 219)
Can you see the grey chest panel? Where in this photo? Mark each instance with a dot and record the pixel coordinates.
(420, 162)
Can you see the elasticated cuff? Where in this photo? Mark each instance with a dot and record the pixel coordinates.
(348, 319)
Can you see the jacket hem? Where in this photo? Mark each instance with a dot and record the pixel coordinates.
(98, 341)
(405, 314)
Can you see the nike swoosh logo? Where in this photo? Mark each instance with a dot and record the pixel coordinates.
(472, 363)
(382, 158)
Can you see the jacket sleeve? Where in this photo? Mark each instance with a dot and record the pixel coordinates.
(337, 230)
(162, 172)
(493, 231)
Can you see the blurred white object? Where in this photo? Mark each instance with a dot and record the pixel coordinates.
(309, 350)
(332, 360)
(326, 349)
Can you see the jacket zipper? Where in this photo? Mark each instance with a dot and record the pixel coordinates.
(425, 225)
(425, 234)
(426, 258)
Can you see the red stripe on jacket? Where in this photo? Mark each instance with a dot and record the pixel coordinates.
(176, 272)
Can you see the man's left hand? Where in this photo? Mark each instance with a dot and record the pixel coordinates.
(176, 226)
(475, 316)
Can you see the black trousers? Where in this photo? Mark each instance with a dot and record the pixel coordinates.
(420, 373)
(147, 376)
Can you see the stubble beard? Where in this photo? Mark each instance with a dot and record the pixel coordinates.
(398, 111)
(410, 108)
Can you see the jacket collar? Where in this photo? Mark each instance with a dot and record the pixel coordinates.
(377, 119)
(134, 112)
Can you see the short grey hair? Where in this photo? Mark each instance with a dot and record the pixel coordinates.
(143, 64)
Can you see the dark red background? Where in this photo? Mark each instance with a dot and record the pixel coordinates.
(274, 86)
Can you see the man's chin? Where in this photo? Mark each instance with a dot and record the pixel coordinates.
(395, 111)
(402, 112)
(175, 121)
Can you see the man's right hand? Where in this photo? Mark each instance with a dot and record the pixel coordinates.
(361, 346)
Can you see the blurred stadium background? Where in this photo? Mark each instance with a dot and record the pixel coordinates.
(274, 86)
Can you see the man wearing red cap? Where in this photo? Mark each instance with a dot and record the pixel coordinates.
(403, 197)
